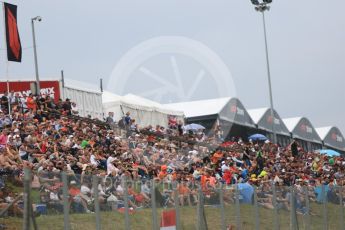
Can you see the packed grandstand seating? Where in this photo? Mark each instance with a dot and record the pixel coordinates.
(49, 138)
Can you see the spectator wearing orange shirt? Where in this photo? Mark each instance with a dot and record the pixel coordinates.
(184, 193)
(76, 196)
(31, 103)
(217, 156)
(163, 173)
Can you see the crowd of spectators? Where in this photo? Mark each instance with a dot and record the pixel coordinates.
(47, 137)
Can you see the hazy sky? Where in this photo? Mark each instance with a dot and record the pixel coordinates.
(306, 47)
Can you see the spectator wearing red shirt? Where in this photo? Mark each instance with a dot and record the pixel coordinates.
(227, 177)
(31, 103)
(3, 139)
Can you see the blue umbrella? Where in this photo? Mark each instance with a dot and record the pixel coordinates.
(329, 152)
(193, 127)
(257, 137)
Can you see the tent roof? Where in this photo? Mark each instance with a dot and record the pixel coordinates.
(137, 102)
(257, 114)
(110, 97)
(323, 131)
(141, 100)
(302, 132)
(262, 118)
(82, 86)
(291, 123)
(332, 137)
(201, 107)
(153, 104)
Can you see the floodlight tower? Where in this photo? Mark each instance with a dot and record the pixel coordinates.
(37, 18)
(262, 7)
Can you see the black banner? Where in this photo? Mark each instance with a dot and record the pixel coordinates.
(14, 47)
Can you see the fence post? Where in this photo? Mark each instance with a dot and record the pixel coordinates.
(177, 206)
(341, 208)
(201, 219)
(222, 210)
(127, 223)
(307, 205)
(26, 196)
(33, 218)
(154, 207)
(292, 209)
(274, 200)
(324, 207)
(238, 209)
(256, 209)
(65, 202)
(96, 200)
(198, 212)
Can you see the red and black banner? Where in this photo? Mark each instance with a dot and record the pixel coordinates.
(14, 47)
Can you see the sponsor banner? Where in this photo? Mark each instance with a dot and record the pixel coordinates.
(48, 88)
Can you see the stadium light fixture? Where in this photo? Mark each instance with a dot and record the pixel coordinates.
(255, 2)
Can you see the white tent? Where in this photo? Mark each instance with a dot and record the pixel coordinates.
(263, 119)
(257, 114)
(88, 97)
(302, 129)
(144, 111)
(228, 109)
(202, 107)
(332, 137)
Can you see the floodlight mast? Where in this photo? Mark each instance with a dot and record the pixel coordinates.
(37, 18)
(262, 7)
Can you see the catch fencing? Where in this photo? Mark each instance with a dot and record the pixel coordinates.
(54, 200)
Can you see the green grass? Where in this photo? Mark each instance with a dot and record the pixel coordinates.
(142, 219)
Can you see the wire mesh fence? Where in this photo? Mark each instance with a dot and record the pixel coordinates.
(54, 200)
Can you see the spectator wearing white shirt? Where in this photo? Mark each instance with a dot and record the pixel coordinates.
(74, 107)
(224, 166)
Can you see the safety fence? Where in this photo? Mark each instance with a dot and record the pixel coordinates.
(54, 200)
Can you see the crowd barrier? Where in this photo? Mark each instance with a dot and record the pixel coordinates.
(67, 201)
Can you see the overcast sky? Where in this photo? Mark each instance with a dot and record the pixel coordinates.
(306, 48)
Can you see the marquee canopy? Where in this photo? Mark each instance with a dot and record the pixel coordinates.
(332, 137)
(225, 109)
(301, 128)
(144, 111)
(263, 119)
